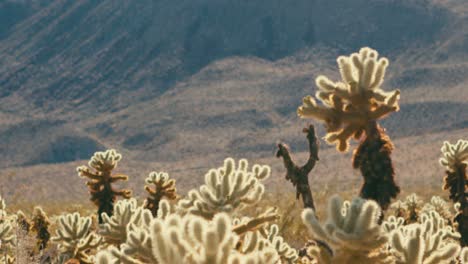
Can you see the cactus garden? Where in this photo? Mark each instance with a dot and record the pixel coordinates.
(233, 217)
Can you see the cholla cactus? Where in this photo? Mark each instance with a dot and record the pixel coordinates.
(100, 182)
(227, 189)
(285, 251)
(392, 223)
(163, 187)
(7, 234)
(2, 209)
(75, 238)
(7, 259)
(114, 228)
(440, 206)
(455, 160)
(138, 244)
(40, 225)
(351, 108)
(351, 231)
(187, 239)
(414, 205)
(23, 222)
(428, 242)
(399, 208)
(205, 242)
(464, 256)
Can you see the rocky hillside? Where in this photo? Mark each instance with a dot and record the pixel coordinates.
(166, 81)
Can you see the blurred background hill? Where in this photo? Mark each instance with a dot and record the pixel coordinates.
(180, 85)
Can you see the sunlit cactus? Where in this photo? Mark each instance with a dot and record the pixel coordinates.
(7, 259)
(23, 222)
(75, 238)
(285, 251)
(464, 256)
(351, 232)
(3, 212)
(227, 189)
(7, 234)
(429, 242)
(392, 223)
(455, 160)
(351, 109)
(40, 225)
(114, 228)
(100, 181)
(159, 186)
(440, 206)
(413, 205)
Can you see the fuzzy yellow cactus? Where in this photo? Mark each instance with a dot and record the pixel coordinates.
(227, 189)
(429, 241)
(75, 238)
(351, 232)
(100, 181)
(159, 186)
(455, 160)
(350, 109)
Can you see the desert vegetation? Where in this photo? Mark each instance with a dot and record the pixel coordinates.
(231, 218)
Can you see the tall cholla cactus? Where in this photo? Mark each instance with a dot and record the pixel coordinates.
(455, 160)
(350, 234)
(100, 182)
(351, 108)
(429, 242)
(75, 238)
(227, 189)
(158, 186)
(40, 225)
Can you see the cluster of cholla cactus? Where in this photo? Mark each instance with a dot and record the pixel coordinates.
(350, 109)
(100, 181)
(210, 224)
(455, 160)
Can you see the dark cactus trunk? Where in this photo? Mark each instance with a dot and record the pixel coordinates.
(373, 159)
(456, 182)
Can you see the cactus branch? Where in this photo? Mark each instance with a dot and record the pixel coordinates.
(298, 176)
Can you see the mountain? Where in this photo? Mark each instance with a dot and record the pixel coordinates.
(189, 83)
